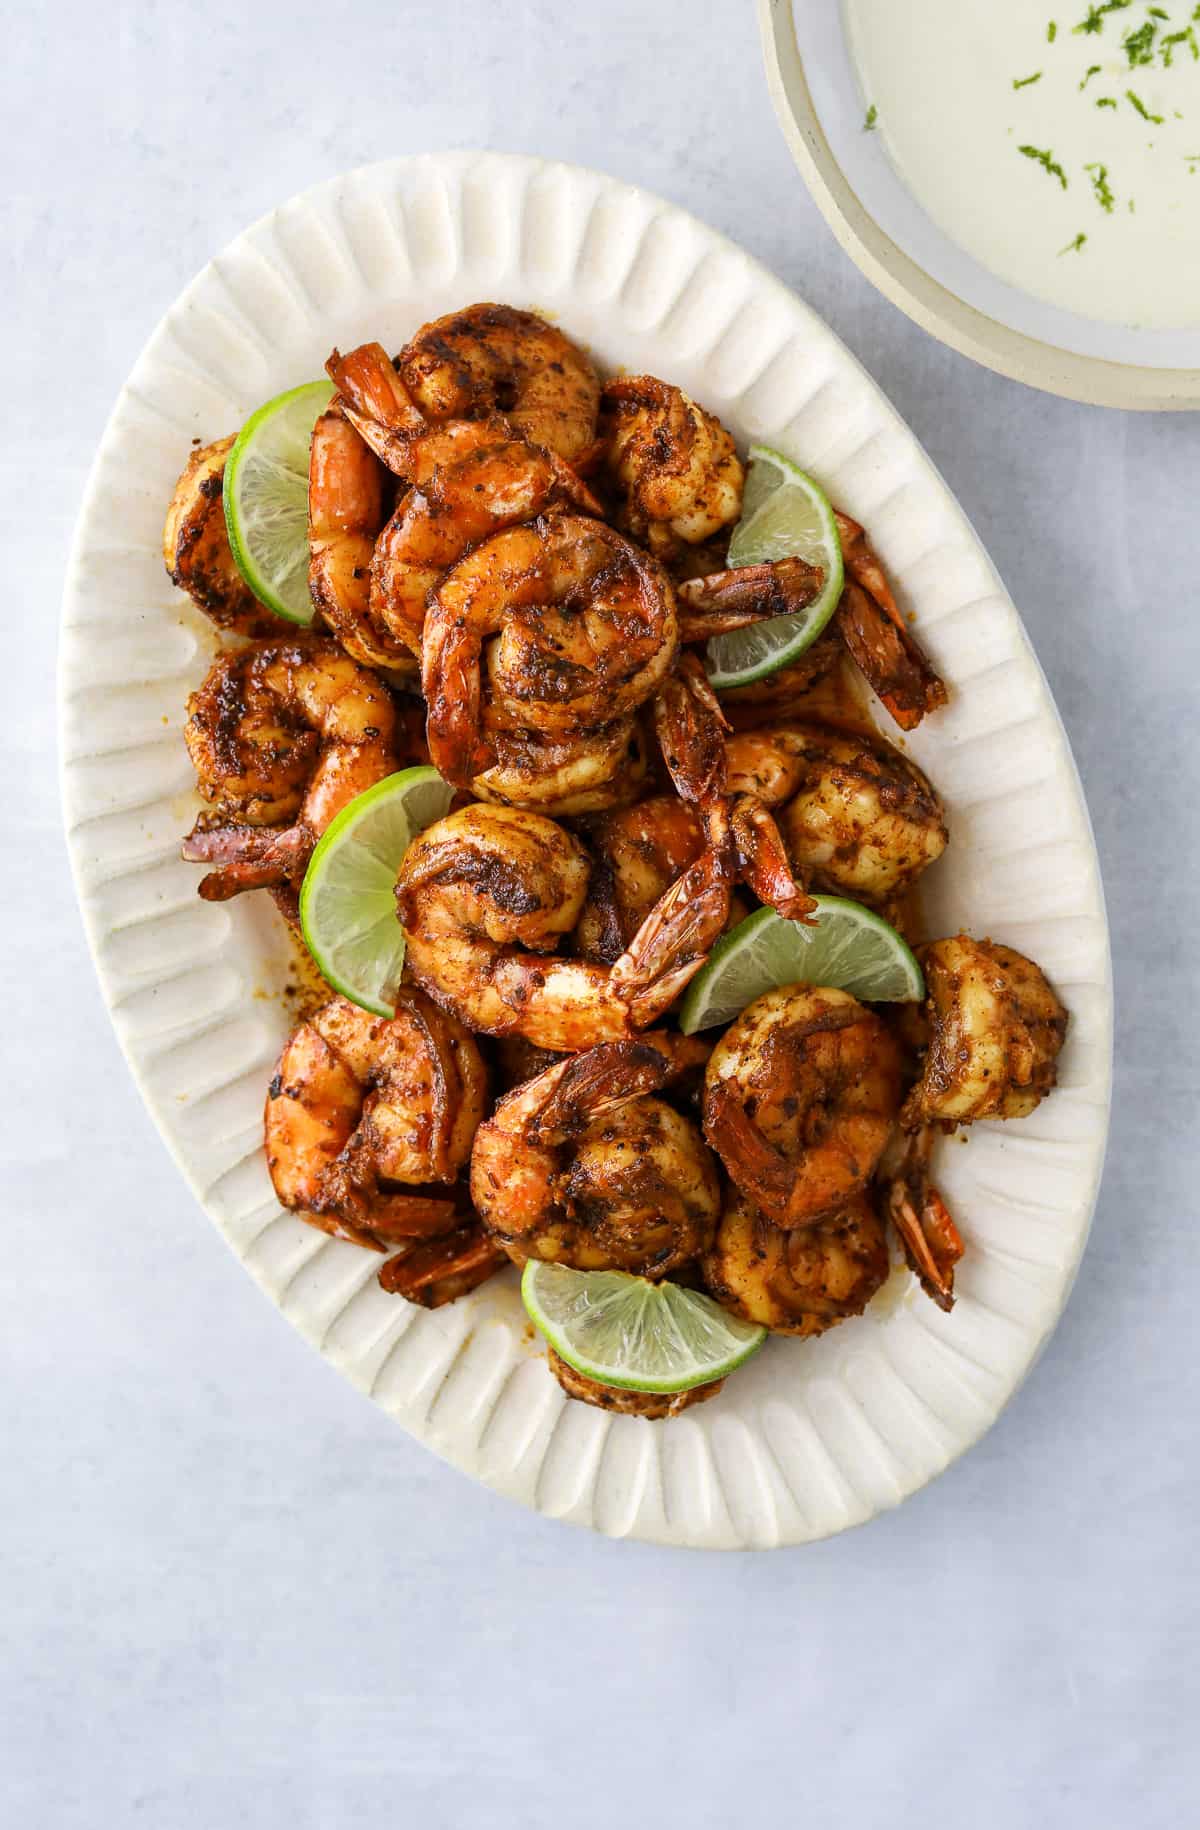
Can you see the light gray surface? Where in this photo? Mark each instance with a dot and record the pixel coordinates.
(232, 1591)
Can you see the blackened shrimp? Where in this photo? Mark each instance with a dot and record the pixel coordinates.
(676, 470)
(742, 842)
(282, 735)
(431, 1272)
(486, 895)
(584, 1167)
(369, 1120)
(653, 1405)
(559, 626)
(349, 492)
(497, 482)
(469, 478)
(995, 1027)
(870, 623)
(800, 1097)
(495, 359)
(196, 549)
(562, 776)
(991, 1030)
(857, 817)
(798, 1280)
(720, 602)
(638, 853)
(931, 1240)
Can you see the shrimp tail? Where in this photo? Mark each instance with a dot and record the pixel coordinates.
(725, 601)
(438, 1271)
(755, 1165)
(602, 1079)
(676, 937)
(690, 727)
(338, 1227)
(932, 1243)
(414, 1216)
(350, 1190)
(377, 403)
(763, 863)
(744, 840)
(879, 640)
(701, 625)
(571, 487)
(248, 857)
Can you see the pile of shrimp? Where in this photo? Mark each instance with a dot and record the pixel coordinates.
(514, 566)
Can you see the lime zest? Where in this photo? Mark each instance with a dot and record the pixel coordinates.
(1045, 158)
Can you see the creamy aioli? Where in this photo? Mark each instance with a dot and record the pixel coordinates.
(940, 75)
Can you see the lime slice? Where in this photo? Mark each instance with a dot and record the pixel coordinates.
(784, 515)
(850, 948)
(347, 906)
(640, 1336)
(266, 499)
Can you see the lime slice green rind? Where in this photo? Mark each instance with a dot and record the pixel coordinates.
(785, 514)
(784, 511)
(850, 948)
(347, 902)
(638, 1336)
(266, 499)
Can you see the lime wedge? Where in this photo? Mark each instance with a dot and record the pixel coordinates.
(784, 515)
(347, 908)
(266, 499)
(640, 1336)
(850, 948)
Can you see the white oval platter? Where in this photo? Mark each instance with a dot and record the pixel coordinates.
(811, 1437)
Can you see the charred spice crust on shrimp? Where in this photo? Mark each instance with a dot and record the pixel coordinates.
(282, 734)
(540, 554)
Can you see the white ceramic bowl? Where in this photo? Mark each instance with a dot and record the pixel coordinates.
(908, 257)
(811, 1437)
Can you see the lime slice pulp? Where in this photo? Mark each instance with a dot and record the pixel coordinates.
(640, 1336)
(784, 515)
(266, 499)
(851, 948)
(347, 906)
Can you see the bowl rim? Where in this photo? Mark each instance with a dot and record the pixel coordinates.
(1093, 380)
